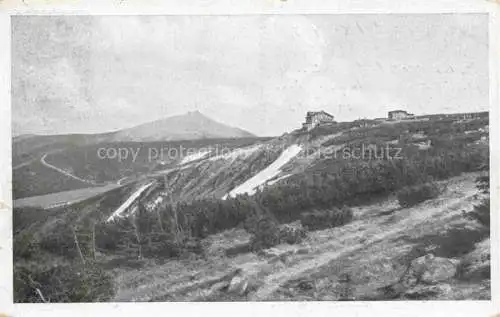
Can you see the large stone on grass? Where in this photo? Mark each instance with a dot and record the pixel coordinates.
(238, 285)
(247, 279)
(429, 269)
(439, 269)
(428, 292)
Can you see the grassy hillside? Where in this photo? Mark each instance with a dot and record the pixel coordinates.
(50, 201)
(92, 163)
(339, 170)
(36, 179)
(138, 157)
(374, 249)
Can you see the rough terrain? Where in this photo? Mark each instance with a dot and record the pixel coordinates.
(375, 250)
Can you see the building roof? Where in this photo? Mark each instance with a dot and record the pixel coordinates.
(394, 111)
(311, 113)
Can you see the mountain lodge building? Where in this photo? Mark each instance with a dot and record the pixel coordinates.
(400, 115)
(316, 118)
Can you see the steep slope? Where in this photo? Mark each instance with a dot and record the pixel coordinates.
(374, 249)
(32, 145)
(190, 126)
(296, 174)
(297, 158)
(266, 174)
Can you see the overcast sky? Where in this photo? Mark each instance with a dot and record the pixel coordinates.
(80, 74)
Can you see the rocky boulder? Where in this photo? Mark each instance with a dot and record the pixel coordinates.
(439, 269)
(428, 292)
(425, 278)
(429, 269)
(238, 285)
(248, 279)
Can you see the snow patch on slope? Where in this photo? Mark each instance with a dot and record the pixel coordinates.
(267, 173)
(194, 157)
(118, 212)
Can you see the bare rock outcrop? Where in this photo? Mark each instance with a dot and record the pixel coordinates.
(426, 277)
(429, 269)
(238, 285)
(428, 291)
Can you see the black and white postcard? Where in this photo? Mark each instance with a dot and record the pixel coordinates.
(339, 158)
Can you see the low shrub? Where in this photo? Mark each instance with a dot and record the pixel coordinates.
(452, 243)
(25, 246)
(480, 274)
(123, 262)
(266, 234)
(317, 220)
(481, 214)
(476, 265)
(292, 233)
(413, 195)
(64, 283)
(161, 245)
(457, 242)
(192, 246)
(483, 182)
(250, 223)
(59, 246)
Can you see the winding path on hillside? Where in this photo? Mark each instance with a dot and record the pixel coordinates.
(66, 173)
(18, 166)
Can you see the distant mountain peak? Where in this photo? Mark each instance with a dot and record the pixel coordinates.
(192, 125)
(192, 113)
(196, 114)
